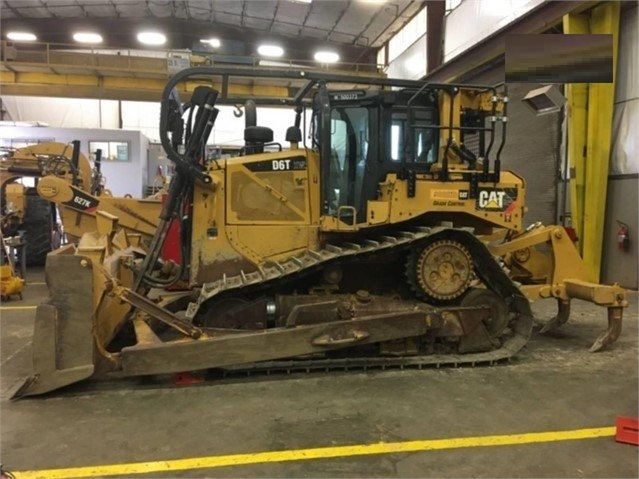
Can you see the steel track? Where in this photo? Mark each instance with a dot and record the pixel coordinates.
(486, 267)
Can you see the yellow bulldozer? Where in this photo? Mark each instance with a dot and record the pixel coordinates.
(22, 209)
(68, 191)
(375, 238)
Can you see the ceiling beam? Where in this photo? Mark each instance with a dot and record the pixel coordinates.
(124, 88)
(435, 18)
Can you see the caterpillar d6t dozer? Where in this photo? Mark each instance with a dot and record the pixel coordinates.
(379, 240)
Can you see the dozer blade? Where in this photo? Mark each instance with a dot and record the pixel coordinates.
(62, 340)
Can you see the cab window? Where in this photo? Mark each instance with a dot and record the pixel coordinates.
(414, 142)
(349, 149)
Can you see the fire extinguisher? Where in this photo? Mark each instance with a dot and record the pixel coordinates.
(623, 236)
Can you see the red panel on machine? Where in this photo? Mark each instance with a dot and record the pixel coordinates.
(171, 247)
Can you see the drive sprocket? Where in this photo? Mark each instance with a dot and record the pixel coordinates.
(441, 271)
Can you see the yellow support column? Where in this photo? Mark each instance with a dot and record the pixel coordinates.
(577, 109)
(603, 19)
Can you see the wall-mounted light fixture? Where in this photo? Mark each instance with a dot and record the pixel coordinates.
(544, 100)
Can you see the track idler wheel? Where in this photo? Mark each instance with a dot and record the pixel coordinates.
(484, 333)
(499, 314)
(441, 271)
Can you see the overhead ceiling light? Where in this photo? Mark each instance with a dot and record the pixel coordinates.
(326, 56)
(87, 37)
(214, 42)
(270, 51)
(152, 38)
(301, 1)
(21, 36)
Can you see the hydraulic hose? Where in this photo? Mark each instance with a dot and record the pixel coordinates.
(187, 169)
(504, 122)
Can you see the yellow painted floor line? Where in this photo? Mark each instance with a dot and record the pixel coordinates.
(16, 308)
(314, 453)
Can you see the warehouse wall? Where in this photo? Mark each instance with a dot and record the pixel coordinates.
(123, 177)
(63, 112)
(622, 197)
(620, 266)
(473, 21)
(625, 147)
(412, 63)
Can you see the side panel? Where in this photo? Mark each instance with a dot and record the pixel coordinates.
(268, 189)
(264, 242)
(501, 205)
(258, 210)
(212, 256)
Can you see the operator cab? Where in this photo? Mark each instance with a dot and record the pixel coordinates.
(355, 159)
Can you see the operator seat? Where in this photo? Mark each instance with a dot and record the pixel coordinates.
(255, 137)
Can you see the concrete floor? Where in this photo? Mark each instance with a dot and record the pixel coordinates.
(555, 384)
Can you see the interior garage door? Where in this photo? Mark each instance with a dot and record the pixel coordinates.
(532, 148)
